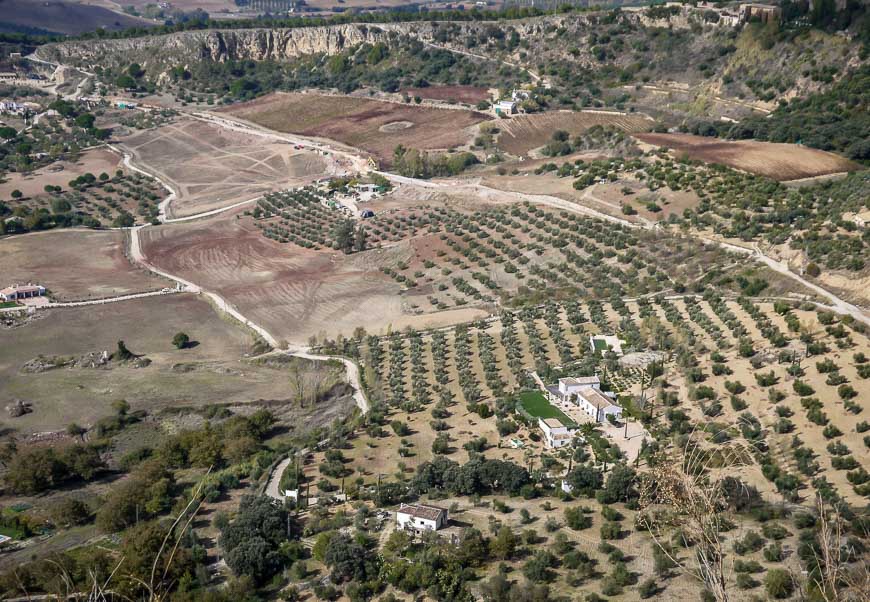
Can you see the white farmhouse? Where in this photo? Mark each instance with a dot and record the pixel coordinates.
(556, 433)
(505, 107)
(420, 517)
(597, 405)
(568, 387)
(17, 292)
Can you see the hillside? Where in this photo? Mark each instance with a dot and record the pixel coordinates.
(676, 61)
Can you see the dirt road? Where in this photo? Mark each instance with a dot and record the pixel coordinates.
(351, 373)
(272, 487)
(352, 370)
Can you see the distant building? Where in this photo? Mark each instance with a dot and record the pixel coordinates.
(17, 292)
(603, 342)
(766, 13)
(859, 219)
(419, 518)
(505, 107)
(555, 433)
(585, 392)
(7, 106)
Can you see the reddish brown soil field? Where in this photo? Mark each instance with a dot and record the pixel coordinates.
(778, 161)
(467, 94)
(292, 292)
(74, 264)
(523, 133)
(374, 126)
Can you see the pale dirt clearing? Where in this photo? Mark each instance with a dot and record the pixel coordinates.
(209, 167)
(75, 264)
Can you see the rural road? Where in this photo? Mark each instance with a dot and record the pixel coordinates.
(273, 489)
(351, 368)
(112, 299)
(351, 371)
(483, 57)
(836, 303)
(137, 255)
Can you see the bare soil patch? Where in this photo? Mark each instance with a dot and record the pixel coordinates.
(359, 121)
(210, 167)
(465, 94)
(778, 161)
(523, 133)
(292, 292)
(74, 264)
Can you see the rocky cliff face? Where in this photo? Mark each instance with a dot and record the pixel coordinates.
(158, 53)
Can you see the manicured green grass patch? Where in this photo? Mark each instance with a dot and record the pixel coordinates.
(537, 405)
(13, 532)
(600, 345)
(5, 304)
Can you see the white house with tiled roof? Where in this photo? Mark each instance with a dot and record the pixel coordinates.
(420, 517)
(597, 405)
(567, 387)
(16, 292)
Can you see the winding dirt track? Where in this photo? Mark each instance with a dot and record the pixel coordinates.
(358, 162)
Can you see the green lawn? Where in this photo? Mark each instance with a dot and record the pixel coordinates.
(599, 345)
(537, 405)
(5, 304)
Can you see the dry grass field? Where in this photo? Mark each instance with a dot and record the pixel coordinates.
(523, 133)
(465, 94)
(67, 17)
(778, 161)
(373, 126)
(208, 372)
(75, 264)
(210, 167)
(59, 173)
(292, 292)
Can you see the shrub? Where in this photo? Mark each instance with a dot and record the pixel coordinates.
(778, 584)
(648, 589)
